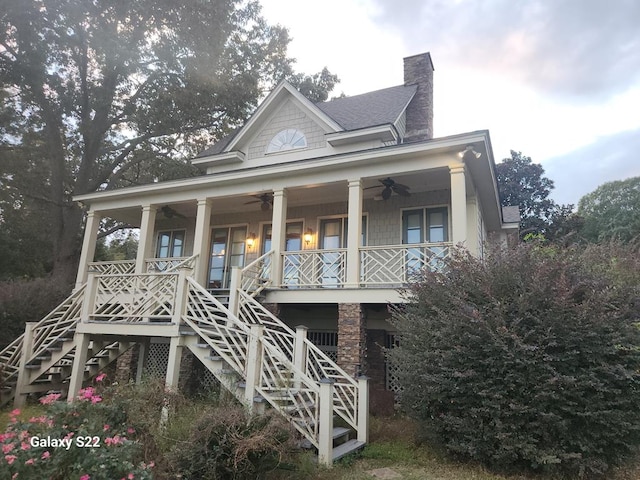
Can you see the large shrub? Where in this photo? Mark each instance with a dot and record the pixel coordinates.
(529, 359)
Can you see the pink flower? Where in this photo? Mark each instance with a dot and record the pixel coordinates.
(14, 413)
(25, 446)
(49, 399)
(31, 461)
(95, 399)
(130, 431)
(6, 436)
(85, 477)
(101, 377)
(45, 455)
(10, 458)
(106, 427)
(7, 448)
(130, 476)
(69, 435)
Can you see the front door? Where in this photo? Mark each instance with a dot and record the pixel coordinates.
(227, 250)
(332, 237)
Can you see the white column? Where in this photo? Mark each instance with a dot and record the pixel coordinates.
(300, 354)
(201, 240)
(145, 243)
(23, 374)
(325, 423)
(458, 205)
(254, 364)
(278, 234)
(173, 364)
(354, 234)
(363, 409)
(473, 244)
(88, 245)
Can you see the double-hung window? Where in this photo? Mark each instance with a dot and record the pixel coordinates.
(422, 227)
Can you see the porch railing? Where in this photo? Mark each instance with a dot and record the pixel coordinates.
(396, 264)
(314, 268)
(256, 276)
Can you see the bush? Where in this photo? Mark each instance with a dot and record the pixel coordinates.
(89, 439)
(528, 360)
(227, 443)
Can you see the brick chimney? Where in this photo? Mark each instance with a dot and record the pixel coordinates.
(418, 70)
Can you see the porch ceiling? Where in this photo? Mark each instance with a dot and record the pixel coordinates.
(427, 180)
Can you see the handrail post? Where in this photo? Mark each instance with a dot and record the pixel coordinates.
(180, 305)
(27, 349)
(363, 409)
(325, 423)
(90, 293)
(235, 285)
(300, 354)
(254, 364)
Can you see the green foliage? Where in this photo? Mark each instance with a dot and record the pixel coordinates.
(612, 211)
(101, 445)
(528, 359)
(121, 246)
(522, 183)
(24, 301)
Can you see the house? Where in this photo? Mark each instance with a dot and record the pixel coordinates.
(278, 263)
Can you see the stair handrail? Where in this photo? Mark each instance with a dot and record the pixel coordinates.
(185, 262)
(318, 365)
(47, 331)
(256, 276)
(204, 310)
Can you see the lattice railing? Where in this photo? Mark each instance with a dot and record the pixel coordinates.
(48, 331)
(314, 268)
(134, 298)
(396, 264)
(169, 264)
(118, 267)
(256, 276)
(318, 365)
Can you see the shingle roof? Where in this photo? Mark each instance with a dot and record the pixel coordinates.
(379, 107)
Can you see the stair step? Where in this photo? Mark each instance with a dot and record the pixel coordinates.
(32, 366)
(296, 407)
(338, 432)
(214, 358)
(346, 448)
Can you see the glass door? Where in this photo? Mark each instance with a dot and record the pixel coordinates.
(332, 236)
(227, 250)
(293, 243)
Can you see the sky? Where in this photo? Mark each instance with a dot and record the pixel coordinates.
(558, 80)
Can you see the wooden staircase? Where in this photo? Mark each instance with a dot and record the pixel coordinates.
(253, 354)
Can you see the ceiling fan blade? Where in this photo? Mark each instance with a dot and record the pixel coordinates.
(369, 188)
(399, 185)
(401, 191)
(386, 193)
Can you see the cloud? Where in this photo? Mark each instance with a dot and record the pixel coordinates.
(575, 174)
(581, 48)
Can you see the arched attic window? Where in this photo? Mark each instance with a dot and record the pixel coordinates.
(288, 139)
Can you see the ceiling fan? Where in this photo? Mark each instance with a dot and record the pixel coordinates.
(390, 186)
(169, 212)
(265, 200)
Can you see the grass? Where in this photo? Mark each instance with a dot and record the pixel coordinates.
(393, 445)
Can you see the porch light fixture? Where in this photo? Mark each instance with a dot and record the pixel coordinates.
(469, 148)
(308, 236)
(251, 240)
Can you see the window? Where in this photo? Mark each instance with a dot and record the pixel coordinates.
(425, 225)
(436, 221)
(288, 139)
(170, 244)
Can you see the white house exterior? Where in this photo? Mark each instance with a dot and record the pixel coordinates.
(311, 216)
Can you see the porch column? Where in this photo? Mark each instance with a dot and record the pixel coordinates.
(88, 245)
(278, 234)
(458, 205)
(354, 234)
(201, 240)
(145, 244)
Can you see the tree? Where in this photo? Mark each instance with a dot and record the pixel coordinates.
(522, 182)
(612, 211)
(98, 94)
(529, 358)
